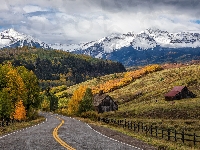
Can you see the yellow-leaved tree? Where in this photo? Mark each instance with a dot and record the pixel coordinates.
(74, 102)
(20, 112)
(16, 87)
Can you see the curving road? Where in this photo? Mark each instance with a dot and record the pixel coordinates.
(57, 133)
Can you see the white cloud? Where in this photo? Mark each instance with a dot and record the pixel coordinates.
(32, 8)
(81, 21)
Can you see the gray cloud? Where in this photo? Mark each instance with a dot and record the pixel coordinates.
(77, 21)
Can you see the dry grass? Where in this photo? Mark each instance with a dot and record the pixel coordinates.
(143, 100)
(20, 125)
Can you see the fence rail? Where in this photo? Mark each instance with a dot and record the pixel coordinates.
(154, 131)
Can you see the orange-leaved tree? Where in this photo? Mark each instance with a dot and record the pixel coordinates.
(127, 79)
(20, 112)
(74, 102)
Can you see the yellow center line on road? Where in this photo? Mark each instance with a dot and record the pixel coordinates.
(55, 135)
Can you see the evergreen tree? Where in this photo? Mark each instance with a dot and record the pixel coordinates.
(53, 100)
(87, 102)
(5, 105)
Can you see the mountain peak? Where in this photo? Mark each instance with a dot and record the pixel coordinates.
(12, 38)
(10, 32)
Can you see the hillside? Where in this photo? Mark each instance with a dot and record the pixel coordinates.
(54, 67)
(135, 98)
(143, 99)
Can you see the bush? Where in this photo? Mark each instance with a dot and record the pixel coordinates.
(93, 115)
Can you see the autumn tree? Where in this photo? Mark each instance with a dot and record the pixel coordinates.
(20, 111)
(74, 102)
(4, 69)
(17, 84)
(32, 87)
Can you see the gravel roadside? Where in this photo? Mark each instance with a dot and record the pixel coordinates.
(122, 137)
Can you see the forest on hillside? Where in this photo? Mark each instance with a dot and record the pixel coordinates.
(56, 67)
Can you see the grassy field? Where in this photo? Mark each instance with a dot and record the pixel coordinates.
(20, 125)
(143, 99)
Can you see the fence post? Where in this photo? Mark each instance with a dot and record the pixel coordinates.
(151, 130)
(146, 129)
(168, 134)
(125, 123)
(134, 126)
(131, 125)
(142, 127)
(138, 127)
(183, 136)
(175, 136)
(162, 133)
(128, 125)
(194, 139)
(156, 131)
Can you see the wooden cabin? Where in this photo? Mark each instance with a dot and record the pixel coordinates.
(104, 103)
(179, 92)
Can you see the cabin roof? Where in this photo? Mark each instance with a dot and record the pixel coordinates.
(98, 98)
(171, 93)
(178, 88)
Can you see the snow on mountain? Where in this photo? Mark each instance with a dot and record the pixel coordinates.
(12, 38)
(149, 46)
(148, 39)
(174, 40)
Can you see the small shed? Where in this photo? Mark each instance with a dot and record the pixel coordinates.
(104, 103)
(179, 92)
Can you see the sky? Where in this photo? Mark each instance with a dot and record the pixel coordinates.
(77, 21)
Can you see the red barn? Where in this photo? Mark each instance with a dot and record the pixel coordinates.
(179, 92)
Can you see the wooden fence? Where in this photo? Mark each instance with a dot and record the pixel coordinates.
(154, 131)
(6, 123)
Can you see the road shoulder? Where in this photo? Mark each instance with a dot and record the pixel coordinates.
(122, 137)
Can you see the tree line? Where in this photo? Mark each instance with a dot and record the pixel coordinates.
(56, 67)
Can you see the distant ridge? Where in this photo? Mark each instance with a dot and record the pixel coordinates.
(131, 49)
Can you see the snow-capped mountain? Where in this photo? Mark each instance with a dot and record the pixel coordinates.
(12, 38)
(147, 39)
(149, 46)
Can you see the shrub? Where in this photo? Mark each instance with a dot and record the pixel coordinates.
(93, 115)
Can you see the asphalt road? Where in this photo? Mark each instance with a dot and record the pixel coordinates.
(57, 132)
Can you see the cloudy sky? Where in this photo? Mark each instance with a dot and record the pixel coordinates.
(75, 21)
